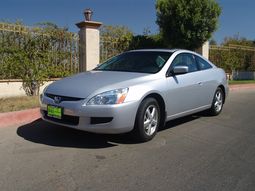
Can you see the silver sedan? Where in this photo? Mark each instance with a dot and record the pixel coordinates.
(137, 91)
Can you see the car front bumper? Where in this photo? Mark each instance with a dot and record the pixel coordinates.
(109, 119)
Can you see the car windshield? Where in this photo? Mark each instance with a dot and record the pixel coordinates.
(140, 61)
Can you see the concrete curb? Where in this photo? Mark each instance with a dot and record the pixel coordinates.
(241, 86)
(29, 115)
(19, 117)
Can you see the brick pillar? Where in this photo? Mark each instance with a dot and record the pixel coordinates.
(89, 45)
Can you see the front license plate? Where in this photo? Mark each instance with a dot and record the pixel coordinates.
(54, 111)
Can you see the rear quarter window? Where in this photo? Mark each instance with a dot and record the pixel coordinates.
(202, 64)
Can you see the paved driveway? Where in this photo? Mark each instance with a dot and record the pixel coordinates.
(193, 153)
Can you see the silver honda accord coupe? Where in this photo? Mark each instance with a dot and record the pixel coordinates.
(136, 91)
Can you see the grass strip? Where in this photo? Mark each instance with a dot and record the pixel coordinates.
(18, 103)
(232, 82)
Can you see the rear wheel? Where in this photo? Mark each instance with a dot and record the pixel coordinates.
(147, 120)
(217, 103)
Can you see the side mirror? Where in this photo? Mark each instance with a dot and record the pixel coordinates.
(179, 70)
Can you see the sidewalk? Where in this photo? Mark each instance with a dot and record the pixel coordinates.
(241, 86)
(29, 115)
(19, 117)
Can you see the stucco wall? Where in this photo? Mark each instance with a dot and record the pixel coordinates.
(92, 47)
(89, 45)
(204, 50)
(14, 88)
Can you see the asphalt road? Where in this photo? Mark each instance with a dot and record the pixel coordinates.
(193, 153)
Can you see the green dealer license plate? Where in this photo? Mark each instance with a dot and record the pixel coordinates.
(54, 111)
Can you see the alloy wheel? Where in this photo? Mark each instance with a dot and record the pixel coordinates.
(218, 101)
(151, 120)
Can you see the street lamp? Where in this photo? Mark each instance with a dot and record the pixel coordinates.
(88, 14)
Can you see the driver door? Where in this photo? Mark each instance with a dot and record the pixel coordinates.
(183, 90)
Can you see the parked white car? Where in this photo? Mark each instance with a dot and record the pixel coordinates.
(136, 91)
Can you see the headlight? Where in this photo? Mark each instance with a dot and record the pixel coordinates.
(42, 94)
(111, 97)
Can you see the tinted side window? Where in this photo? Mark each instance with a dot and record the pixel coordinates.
(203, 65)
(185, 59)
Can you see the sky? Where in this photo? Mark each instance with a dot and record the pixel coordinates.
(237, 16)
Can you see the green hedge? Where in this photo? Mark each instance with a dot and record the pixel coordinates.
(36, 54)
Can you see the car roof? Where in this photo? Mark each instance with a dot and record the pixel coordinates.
(154, 50)
(166, 50)
(172, 51)
(163, 50)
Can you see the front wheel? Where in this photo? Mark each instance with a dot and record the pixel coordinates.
(217, 103)
(147, 120)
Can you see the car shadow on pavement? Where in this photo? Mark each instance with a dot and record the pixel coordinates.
(46, 133)
(182, 120)
(179, 121)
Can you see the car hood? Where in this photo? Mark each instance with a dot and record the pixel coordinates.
(83, 84)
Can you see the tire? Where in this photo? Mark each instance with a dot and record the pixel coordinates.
(217, 103)
(147, 120)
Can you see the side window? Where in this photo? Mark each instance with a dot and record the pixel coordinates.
(185, 59)
(202, 64)
(177, 61)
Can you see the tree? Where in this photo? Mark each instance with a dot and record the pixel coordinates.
(187, 23)
(212, 42)
(237, 40)
(114, 39)
(147, 41)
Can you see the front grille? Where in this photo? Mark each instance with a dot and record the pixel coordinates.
(63, 98)
(66, 119)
